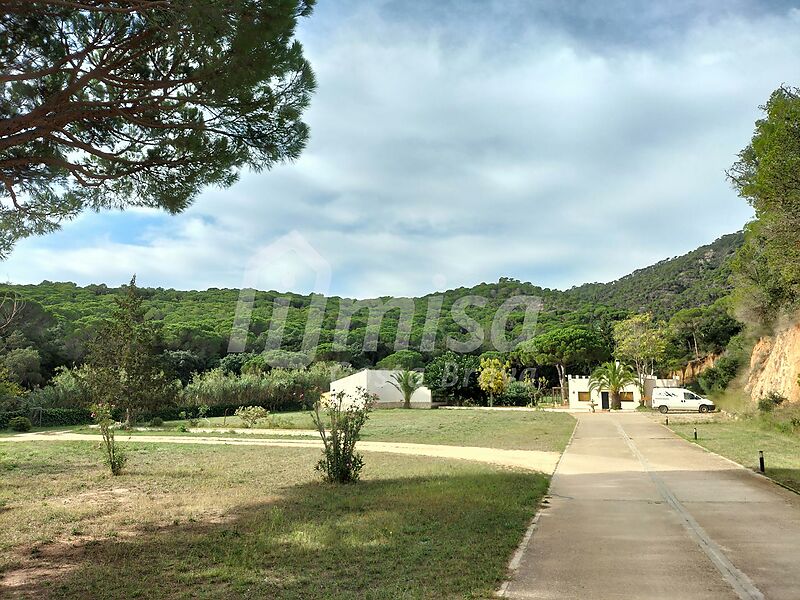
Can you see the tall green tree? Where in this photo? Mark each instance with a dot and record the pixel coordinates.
(563, 347)
(125, 370)
(114, 103)
(614, 377)
(642, 342)
(767, 175)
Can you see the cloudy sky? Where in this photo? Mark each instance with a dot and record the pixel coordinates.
(459, 141)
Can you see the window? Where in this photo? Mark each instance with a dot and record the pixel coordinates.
(690, 396)
(626, 396)
(584, 396)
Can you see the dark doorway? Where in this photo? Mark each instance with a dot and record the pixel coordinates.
(604, 400)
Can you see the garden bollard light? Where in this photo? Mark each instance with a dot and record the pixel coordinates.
(666, 421)
(695, 434)
(761, 460)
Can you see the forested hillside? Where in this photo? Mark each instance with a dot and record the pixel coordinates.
(60, 318)
(695, 279)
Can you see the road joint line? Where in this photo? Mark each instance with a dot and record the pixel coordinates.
(738, 580)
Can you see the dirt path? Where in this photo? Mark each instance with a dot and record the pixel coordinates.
(532, 460)
(637, 511)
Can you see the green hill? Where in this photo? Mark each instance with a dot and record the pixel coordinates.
(697, 278)
(61, 317)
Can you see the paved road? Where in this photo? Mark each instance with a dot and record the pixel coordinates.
(637, 512)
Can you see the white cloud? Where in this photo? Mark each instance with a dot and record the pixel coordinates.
(478, 149)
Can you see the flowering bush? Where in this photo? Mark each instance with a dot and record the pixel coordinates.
(339, 423)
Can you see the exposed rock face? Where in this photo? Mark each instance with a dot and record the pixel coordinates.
(775, 365)
(692, 370)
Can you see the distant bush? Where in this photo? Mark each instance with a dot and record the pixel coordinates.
(718, 377)
(276, 390)
(274, 359)
(407, 360)
(20, 424)
(67, 389)
(156, 422)
(518, 393)
(50, 417)
(251, 415)
(768, 403)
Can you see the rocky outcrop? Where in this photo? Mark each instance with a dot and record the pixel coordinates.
(692, 370)
(775, 365)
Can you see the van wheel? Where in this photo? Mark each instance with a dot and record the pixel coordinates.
(663, 409)
(703, 408)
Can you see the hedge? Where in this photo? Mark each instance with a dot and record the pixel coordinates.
(49, 417)
(61, 417)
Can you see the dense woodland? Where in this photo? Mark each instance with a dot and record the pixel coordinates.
(687, 297)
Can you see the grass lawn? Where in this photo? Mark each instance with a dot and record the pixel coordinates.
(513, 430)
(741, 441)
(192, 521)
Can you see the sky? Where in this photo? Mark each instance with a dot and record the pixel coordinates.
(457, 141)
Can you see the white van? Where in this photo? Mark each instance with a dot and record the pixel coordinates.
(667, 399)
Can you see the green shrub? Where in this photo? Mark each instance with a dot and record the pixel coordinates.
(721, 374)
(783, 418)
(114, 456)
(251, 415)
(339, 424)
(768, 403)
(518, 393)
(20, 424)
(156, 422)
(407, 360)
(67, 389)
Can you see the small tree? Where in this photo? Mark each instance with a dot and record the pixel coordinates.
(124, 367)
(340, 429)
(114, 456)
(493, 377)
(614, 377)
(406, 382)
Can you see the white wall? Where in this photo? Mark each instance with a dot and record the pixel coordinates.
(580, 383)
(378, 382)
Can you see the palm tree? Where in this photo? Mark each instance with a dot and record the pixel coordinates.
(614, 377)
(407, 382)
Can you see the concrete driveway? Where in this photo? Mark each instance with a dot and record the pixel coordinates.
(636, 512)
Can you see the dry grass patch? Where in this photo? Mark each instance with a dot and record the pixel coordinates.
(189, 521)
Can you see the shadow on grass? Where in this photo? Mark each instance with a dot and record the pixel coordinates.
(424, 537)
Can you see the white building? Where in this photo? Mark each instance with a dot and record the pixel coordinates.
(580, 398)
(379, 382)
